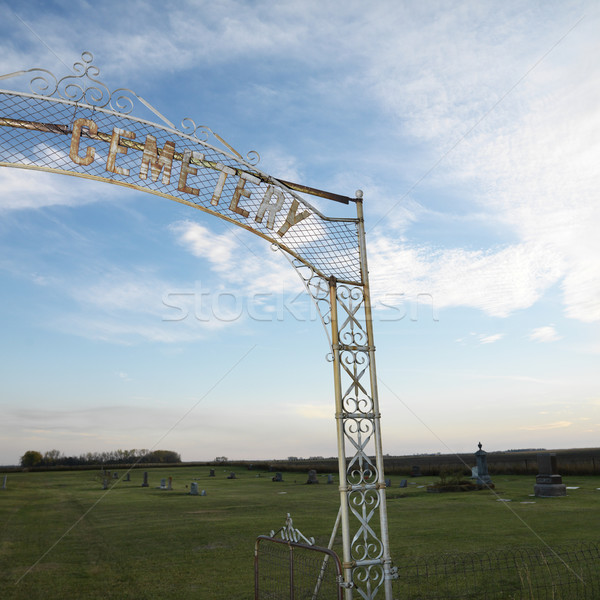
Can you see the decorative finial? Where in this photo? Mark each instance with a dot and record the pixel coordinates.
(358, 194)
(479, 445)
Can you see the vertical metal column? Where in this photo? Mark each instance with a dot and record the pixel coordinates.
(387, 560)
(339, 421)
(366, 555)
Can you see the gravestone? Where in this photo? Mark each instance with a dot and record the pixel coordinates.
(404, 483)
(277, 477)
(548, 483)
(329, 478)
(4, 483)
(231, 475)
(212, 473)
(203, 493)
(127, 476)
(473, 472)
(163, 484)
(115, 475)
(483, 477)
(194, 488)
(312, 477)
(388, 483)
(416, 471)
(145, 484)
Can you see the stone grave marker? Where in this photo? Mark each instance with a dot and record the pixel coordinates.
(212, 473)
(404, 483)
(203, 493)
(127, 476)
(483, 477)
(231, 475)
(194, 488)
(329, 478)
(548, 483)
(388, 483)
(416, 471)
(4, 483)
(312, 477)
(277, 477)
(145, 484)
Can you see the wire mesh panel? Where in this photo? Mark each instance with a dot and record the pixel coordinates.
(291, 571)
(566, 573)
(77, 126)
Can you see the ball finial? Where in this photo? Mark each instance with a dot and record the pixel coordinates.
(358, 194)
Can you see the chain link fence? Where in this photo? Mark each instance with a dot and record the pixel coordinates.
(567, 573)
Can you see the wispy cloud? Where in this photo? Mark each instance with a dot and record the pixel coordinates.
(555, 425)
(497, 282)
(544, 334)
(490, 339)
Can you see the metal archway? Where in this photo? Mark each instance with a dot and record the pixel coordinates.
(76, 126)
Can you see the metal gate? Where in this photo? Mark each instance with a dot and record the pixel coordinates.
(286, 570)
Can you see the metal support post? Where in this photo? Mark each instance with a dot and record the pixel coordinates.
(339, 420)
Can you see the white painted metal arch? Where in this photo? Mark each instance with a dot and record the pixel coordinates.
(76, 126)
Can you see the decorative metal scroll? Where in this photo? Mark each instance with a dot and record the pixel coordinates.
(75, 125)
(289, 533)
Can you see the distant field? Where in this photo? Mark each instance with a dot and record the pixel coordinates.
(146, 543)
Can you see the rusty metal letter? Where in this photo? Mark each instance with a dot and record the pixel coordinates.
(292, 218)
(187, 170)
(157, 159)
(240, 191)
(221, 182)
(115, 149)
(271, 208)
(90, 152)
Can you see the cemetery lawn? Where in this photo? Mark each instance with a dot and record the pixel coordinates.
(63, 536)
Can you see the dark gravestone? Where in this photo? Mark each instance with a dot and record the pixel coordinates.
(277, 477)
(329, 478)
(483, 477)
(388, 483)
(145, 484)
(115, 475)
(127, 476)
(231, 475)
(4, 484)
(416, 471)
(312, 477)
(548, 483)
(194, 488)
(212, 473)
(404, 483)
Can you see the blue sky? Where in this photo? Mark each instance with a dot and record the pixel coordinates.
(473, 129)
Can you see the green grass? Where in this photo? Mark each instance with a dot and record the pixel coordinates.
(146, 543)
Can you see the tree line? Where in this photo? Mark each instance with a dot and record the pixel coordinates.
(54, 458)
